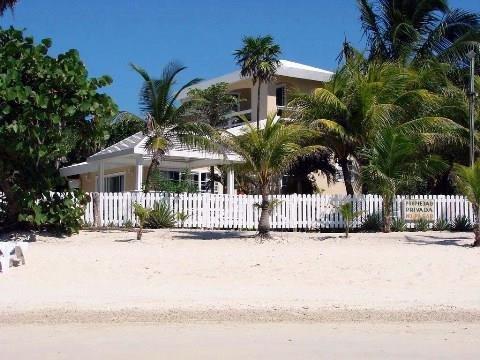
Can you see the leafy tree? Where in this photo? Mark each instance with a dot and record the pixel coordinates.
(42, 98)
(258, 59)
(467, 180)
(7, 4)
(167, 121)
(212, 105)
(268, 153)
(412, 31)
(396, 162)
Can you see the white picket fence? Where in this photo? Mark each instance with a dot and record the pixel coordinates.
(308, 212)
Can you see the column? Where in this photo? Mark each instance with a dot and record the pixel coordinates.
(101, 176)
(139, 174)
(231, 182)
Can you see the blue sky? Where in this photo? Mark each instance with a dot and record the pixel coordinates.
(201, 34)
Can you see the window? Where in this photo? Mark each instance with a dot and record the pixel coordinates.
(201, 180)
(281, 99)
(113, 183)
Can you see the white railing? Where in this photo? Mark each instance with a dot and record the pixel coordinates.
(309, 212)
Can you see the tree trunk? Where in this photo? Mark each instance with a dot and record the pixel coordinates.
(347, 176)
(96, 210)
(13, 208)
(139, 233)
(476, 229)
(212, 179)
(387, 214)
(258, 104)
(264, 221)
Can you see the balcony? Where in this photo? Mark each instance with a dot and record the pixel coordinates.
(235, 118)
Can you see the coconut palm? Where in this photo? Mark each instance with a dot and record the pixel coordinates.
(167, 121)
(268, 152)
(467, 180)
(212, 105)
(396, 162)
(409, 30)
(258, 59)
(7, 4)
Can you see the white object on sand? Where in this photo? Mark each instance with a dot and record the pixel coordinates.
(11, 253)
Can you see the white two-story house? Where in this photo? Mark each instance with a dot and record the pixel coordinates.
(122, 166)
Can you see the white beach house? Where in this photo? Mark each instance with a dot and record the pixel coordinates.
(122, 166)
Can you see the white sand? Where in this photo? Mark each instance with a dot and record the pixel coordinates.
(241, 341)
(185, 275)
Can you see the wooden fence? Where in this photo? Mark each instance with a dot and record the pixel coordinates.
(309, 212)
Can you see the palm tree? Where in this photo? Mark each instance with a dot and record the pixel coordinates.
(167, 121)
(409, 30)
(467, 180)
(268, 153)
(7, 4)
(212, 105)
(258, 59)
(396, 162)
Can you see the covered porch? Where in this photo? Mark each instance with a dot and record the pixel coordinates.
(123, 166)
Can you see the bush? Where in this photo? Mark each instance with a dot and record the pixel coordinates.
(422, 225)
(398, 224)
(161, 216)
(158, 182)
(461, 223)
(441, 225)
(372, 223)
(61, 213)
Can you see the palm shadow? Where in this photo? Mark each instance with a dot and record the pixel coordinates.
(436, 240)
(211, 235)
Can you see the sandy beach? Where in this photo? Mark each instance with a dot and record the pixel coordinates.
(185, 286)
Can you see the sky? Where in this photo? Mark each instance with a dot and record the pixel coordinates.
(202, 35)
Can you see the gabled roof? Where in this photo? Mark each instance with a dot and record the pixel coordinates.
(133, 144)
(286, 68)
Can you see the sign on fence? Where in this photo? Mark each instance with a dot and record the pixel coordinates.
(416, 209)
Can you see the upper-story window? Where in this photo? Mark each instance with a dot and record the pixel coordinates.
(281, 99)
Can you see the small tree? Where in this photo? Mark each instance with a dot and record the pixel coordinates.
(268, 153)
(258, 59)
(142, 214)
(467, 180)
(346, 210)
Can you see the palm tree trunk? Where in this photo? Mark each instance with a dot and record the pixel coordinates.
(264, 221)
(258, 104)
(476, 229)
(347, 176)
(387, 214)
(212, 179)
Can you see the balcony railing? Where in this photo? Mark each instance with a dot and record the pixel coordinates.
(235, 118)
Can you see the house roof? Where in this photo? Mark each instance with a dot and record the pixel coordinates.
(286, 68)
(133, 144)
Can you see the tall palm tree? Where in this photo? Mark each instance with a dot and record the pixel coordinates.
(396, 162)
(258, 59)
(467, 180)
(268, 153)
(212, 105)
(167, 120)
(7, 4)
(409, 30)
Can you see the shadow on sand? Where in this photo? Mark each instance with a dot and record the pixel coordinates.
(438, 240)
(211, 235)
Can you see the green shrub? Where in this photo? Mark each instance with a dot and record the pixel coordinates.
(161, 216)
(461, 223)
(181, 218)
(142, 215)
(422, 225)
(128, 224)
(60, 213)
(158, 182)
(441, 225)
(348, 215)
(398, 224)
(372, 223)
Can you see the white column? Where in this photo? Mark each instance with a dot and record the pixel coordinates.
(231, 182)
(139, 174)
(101, 176)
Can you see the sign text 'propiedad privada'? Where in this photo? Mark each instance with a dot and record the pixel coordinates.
(419, 209)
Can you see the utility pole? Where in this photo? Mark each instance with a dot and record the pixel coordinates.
(471, 102)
